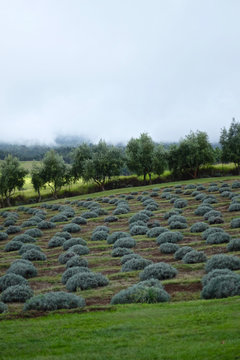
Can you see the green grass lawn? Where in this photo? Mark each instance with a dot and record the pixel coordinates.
(192, 330)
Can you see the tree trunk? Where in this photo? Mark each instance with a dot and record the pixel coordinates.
(39, 196)
(8, 201)
(150, 178)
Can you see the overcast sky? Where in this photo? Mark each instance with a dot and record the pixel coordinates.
(113, 69)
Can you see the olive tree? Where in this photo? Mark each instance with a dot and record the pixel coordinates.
(37, 179)
(104, 162)
(139, 154)
(159, 160)
(191, 153)
(54, 171)
(230, 142)
(79, 156)
(12, 176)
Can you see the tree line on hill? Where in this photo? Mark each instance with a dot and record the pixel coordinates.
(141, 156)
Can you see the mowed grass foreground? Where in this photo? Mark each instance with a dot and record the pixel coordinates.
(185, 330)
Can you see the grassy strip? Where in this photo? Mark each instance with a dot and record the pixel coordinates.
(187, 330)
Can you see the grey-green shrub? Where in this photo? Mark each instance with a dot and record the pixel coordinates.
(160, 271)
(72, 271)
(120, 211)
(169, 237)
(234, 245)
(115, 236)
(182, 251)
(200, 197)
(168, 248)
(143, 292)
(210, 231)
(138, 230)
(102, 228)
(222, 286)
(215, 220)
(8, 280)
(3, 307)
(79, 249)
(201, 187)
(190, 186)
(226, 194)
(212, 213)
(12, 246)
(26, 247)
(125, 258)
(24, 238)
(202, 210)
(85, 280)
(139, 216)
(199, 227)
(125, 242)
(34, 232)
(235, 223)
(117, 252)
(3, 236)
(17, 293)
(156, 231)
(76, 261)
(34, 254)
(12, 229)
(214, 273)
(221, 261)
(100, 211)
(23, 267)
(218, 238)
(180, 203)
(213, 188)
(172, 212)
(53, 301)
(72, 228)
(236, 184)
(79, 220)
(59, 218)
(110, 219)
(234, 207)
(194, 257)
(137, 223)
(63, 258)
(152, 207)
(177, 218)
(99, 236)
(153, 224)
(46, 225)
(177, 225)
(56, 241)
(89, 215)
(66, 235)
(73, 241)
(9, 222)
(209, 200)
(135, 264)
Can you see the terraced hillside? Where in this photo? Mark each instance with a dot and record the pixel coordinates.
(81, 233)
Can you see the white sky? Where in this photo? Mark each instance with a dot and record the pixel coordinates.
(113, 69)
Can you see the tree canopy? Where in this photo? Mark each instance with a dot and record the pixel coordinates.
(139, 154)
(230, 142)
(12, 176)
(98, 162)
(191, 153)
(54, 171)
